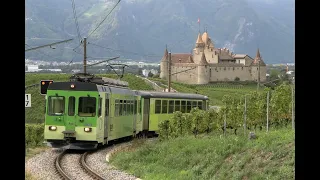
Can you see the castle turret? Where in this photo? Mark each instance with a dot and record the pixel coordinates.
(205, 37)
(199, 43)
(257, 59)
(203, 76)
(164, 65)
(258, 68)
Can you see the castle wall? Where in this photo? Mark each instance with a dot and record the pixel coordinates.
(188, 77)
(163, 69)
(203, 73)
(225, 73)
(211, 55)
(254, 73)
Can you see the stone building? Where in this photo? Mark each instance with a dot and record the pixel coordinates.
(209, 64)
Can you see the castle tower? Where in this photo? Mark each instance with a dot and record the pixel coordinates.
(203, 76)
(257, 59)
(258, 68)
(205, 37)
(164, 65)
(199, 43)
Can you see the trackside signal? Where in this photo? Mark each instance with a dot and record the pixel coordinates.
(44, 84)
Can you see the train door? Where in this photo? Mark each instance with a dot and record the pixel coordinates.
(106, 119)
(146, 112)
(134, 112)
(70, 120)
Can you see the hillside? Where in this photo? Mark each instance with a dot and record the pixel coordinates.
(35, 114)
(142, 27)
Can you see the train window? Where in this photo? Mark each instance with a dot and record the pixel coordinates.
(194, 104)
(135, 107)
(120, 108)
(140, 106)
(164, 106)
(157, 107)
(56, 105)
(71, 106)
(125, 108)
(183, 106)
(100, 105)
(107, 107)
(131, 107)
(171, 106)
(200, 104)
(128, 108)
(188, 106)
(177, 106)
(117, 107)
(87, 106)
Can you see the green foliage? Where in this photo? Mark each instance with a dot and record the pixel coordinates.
(271, 156)
(34, 134)
(199, 121)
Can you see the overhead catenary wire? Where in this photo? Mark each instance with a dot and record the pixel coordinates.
(76, 19)
(104, 19)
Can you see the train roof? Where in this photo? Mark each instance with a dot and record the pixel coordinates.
(78, 86)
(175, 95)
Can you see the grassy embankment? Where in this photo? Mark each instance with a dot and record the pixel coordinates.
(270, 156)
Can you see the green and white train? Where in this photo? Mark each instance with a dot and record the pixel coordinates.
(90, 111)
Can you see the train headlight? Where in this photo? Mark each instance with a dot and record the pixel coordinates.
(72, 86)
(87, 129)
(52, 128)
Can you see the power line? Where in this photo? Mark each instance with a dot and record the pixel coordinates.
(104, 19)
(48, 45)
(145, 55)
(40, 52)
(107, 60)
(75, 18)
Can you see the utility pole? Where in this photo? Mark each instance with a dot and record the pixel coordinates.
(85, 55)
(268, 111)
(245, 114)
(292, 104)
(169, 72)
(225, 122)
(258, 85)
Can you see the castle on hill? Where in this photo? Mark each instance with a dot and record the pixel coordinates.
(209, 64)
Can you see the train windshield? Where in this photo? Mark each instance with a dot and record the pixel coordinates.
(87, 106)
(56, 105)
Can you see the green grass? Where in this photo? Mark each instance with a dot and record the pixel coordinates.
(271, 156)
(35, 114)
(215, 91)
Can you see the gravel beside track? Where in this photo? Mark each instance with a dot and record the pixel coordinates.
(42, 166)
(97, 161)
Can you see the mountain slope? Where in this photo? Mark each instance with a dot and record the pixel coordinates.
(142, 28)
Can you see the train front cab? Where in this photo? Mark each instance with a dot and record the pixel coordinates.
(71, 119)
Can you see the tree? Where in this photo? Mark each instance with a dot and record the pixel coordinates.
(237, 79)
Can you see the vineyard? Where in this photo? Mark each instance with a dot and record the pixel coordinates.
(251, 111)
(35, 114)
(214, 144)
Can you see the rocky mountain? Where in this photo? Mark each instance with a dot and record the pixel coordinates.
(140, 29)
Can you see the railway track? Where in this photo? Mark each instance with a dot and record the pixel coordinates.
(82, 161)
